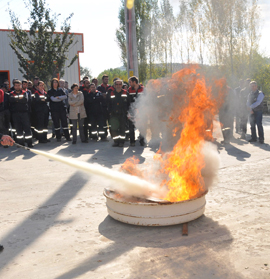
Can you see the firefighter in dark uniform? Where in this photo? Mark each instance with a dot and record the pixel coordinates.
(19, 108)
(56, 97)
(29, 93)
(41, 111)
(33, 118)
(103, 88)
(135, 90)
(93, 103)
(118, 107)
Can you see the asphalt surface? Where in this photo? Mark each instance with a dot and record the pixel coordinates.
(54, 221)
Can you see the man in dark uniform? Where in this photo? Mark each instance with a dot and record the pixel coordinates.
(118, 106)
(19, 108)
(255, 107)
(93, 101)
(29, 93)
(41, 111)
(104, 88)
(135, 90)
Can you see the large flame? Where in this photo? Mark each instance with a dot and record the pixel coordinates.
(191, 119)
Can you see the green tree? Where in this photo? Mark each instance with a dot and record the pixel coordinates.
(41, 51)
(112, 74)
(85, 71)
(145, 10)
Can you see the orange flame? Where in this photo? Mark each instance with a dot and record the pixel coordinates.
(192, 116)
(130, 167)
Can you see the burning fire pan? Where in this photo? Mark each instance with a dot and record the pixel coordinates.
(143, 212)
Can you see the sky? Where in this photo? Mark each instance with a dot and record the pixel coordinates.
(98, 21)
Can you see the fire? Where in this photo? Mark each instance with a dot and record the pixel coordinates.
(130, 167)
(193, 111)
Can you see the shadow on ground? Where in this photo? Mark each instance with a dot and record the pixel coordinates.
(165, 242)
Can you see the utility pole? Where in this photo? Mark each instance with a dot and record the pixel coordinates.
(132, 55)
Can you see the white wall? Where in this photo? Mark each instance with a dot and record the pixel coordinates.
(9, 61)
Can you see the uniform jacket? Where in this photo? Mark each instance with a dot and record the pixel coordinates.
(93, 102)
(104, 90)
(118, 102)
(18, 102)
(39, 101)
(78, 101)
(133, 94)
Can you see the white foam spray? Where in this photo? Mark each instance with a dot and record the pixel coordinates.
(123, 183)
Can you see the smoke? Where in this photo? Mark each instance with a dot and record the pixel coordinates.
(155, 113)
(178, 112)
(212, 163)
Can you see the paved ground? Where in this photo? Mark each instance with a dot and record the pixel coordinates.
(54, 221)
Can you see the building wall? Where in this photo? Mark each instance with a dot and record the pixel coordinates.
(9, 61)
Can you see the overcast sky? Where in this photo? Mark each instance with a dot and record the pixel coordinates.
(98, 21)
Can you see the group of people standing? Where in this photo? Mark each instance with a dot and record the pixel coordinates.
(25, 109)
(244, 102)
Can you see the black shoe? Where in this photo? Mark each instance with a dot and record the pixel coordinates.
(43, 141)
(1, 248)
(115, 144)
(132, 144)
(30, 145)
(252, 140)
(261, 141)
(58, 140)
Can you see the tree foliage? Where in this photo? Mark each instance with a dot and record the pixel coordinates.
(42, 51)
(85, 71)
(223, 34)
(112, 74)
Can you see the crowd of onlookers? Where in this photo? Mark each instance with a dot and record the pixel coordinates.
(243, 103)
(96, 110)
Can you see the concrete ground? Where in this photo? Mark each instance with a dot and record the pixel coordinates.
(54, 221)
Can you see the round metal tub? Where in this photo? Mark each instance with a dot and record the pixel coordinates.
(143, 212)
